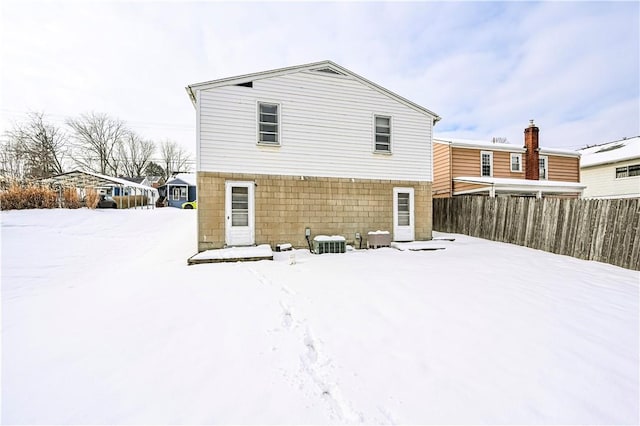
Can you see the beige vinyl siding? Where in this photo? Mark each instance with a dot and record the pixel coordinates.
(465, 162)
(326, 129)
(502, 166)
(465, 186)
(441, 170)
(566, 169)
(601, 181)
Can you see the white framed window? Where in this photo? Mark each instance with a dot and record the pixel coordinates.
(628, 171)
(486, 163)
(382, 133)
(179, 193)
(516, 162)
(543, 162)
(268, 123)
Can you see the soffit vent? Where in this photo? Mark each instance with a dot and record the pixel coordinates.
(328, 71)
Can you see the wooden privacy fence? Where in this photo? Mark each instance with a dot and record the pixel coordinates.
(601, 230)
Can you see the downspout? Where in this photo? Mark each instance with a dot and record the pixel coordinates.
(450, 171)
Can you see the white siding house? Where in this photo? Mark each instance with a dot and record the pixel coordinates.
(330, 136)
(611, 170)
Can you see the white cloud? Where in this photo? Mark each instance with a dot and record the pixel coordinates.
(486, 68)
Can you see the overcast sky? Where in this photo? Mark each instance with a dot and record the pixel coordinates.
(485, 68)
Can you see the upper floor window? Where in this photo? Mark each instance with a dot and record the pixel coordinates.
(268, 123)
(486, 163)
(543, 162)
(628, 171)
(516, 162)
(383, 133)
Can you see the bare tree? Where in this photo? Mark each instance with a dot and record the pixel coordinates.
(135, 154)
(36, 146)
(98, 138)
(174, 158)
(12, 162)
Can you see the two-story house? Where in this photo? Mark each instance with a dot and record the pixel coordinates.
(463, 167)
(612, 170)
(312, 149)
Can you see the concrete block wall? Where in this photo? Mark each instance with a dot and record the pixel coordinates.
(286, 205)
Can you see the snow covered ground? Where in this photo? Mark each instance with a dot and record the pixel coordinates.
(103, 323)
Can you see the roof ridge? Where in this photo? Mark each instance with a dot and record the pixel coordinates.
(274, 72)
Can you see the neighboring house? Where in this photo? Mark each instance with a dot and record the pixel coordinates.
(153, 181)
(103, 184)
(309, 150)
(179, 189)
(125, 191)
(611, 170)
(463, 167)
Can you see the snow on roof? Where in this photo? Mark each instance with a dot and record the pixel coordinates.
(188, 178)
(475, 143)
(329, 238)
(80, 178)
(519, 182)
(559, 151)
(611, 152)
(136, 179)
(496, 146)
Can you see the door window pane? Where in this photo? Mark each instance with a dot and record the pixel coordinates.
(239, 206)
(403, 209)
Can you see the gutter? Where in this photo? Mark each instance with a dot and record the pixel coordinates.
(192, 95)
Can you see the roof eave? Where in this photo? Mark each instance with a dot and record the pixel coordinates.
(548, 186)
(256, 75)
(280, 71)
(610, 162)
(191, 95)
(560, 153)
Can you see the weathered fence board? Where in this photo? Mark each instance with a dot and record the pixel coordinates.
(602, 230)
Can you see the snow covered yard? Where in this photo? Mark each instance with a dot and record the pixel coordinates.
(103, 323)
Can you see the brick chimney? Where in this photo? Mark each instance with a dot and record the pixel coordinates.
(532, 156)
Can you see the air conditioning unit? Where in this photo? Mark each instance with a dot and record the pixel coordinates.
(376, 239)
(325, 244)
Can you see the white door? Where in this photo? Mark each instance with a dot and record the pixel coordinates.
(239, 214)
(403, 214)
